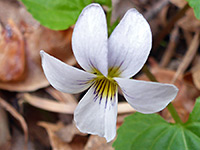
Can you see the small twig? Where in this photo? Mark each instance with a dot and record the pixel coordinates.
(188, 57)
(155, 9)
(2, 24)
(170, 48)
(49, 105)
(169, 26)
(188, 37)
(170, 106)
(149, 74)
(125, 108)
(18, 116)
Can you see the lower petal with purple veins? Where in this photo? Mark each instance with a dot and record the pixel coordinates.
(96, 113)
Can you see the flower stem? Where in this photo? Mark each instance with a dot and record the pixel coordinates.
(174, 113)
(109, 13)
(170, 107)
(151, 77)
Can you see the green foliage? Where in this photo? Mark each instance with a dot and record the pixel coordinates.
(152, 132)
(104, 2)
(195, 4)
(111, 28)
(56, 14)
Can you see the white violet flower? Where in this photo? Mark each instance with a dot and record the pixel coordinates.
(108, 63)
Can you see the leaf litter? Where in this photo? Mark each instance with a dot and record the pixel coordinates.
(50, 113)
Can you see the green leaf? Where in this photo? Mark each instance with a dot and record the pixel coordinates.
(104, 2)
(195, 4)
(193, 123)
(195, 114)
(111, 28)
(152, 132)
(56, 14)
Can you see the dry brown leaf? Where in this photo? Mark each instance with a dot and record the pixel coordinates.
(79, 142)
(184, 101)
(192, 78)
(174, 36)
(120, 8)
(60, 96)
(196, 77)
(156, 8)
(17, 116)
(56, 142)
(12, 9)
(67, 133)
(120, 119)
(4, 131)
(192, 50)
(179, 3)
(12, 54)
(125, 108)
(98, 143)
(18, 141)
(49, 105)
(189, 22)
(57, 43)
(8, 11)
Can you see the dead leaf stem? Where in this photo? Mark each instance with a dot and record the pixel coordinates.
(192, 50)
(17, 116)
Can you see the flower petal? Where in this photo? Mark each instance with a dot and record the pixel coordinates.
(129, 44)
(63, 77)
(147, 97)
(89, 39)
(95, 116)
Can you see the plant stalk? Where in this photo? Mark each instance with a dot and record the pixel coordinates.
(170, 107)
(109, 13)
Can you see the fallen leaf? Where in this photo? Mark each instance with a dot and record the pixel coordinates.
(17, 116)
(18, 141)
(192, 77)
(12, 54)
(56, 142)
(49, 105)
(67, 133)
(196, 77)
(78, 142)
(60, 96)
(98, 143)
(184, 100)
(57, 43)
(189, 22)
(179, 3)
(125, 108)
(190, 54)
(4, 131)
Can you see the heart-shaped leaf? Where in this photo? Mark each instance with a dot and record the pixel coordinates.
(56, 14)
(195, 4)
(152, 132)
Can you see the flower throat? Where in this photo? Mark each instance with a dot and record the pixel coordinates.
(105, 87)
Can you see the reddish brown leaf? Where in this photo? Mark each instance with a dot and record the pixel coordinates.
(56, 142)
(57, 43)
(12, 55)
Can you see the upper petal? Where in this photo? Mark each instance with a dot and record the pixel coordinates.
(63, 77)
(89, 39)
(147, 97)
(129, 44)
(97, 116)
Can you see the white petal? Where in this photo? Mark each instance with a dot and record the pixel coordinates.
(93, 116)
(147, 97)
(89, 39)
(63, 77)
(129, 44)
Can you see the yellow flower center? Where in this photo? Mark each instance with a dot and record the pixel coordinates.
(105, 87)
